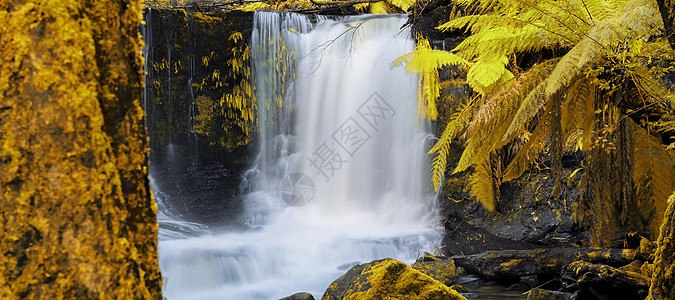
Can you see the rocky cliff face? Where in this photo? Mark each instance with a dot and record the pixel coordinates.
(78, 219)
(198, 94)
(200, 110)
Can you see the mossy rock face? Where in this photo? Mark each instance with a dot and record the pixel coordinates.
(77, 217)
(199, 101)
(200, 110)
(387, 279)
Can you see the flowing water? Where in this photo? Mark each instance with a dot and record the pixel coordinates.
(340, 178)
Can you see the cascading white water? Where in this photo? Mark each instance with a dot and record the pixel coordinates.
(334, 115)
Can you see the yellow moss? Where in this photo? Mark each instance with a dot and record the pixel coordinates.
(391, 279)
(204, 122)
(647, 269)
(75, 199)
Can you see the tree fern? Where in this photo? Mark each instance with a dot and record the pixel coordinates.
(590, 30)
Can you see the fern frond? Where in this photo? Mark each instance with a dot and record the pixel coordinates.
(653, 173)
(426, 61)
(486, 72)
(588, 125)
(378, 8)
(571, 65)
(503, 41)
(472, 23)
(528, 108)
(574, 101)
(535, 144)
(402, 4)
(480, 6)
(424, 58)
(482, 185)
(600, 10)
(458, 121)
(469, 156)
(501, 106)
(428, 93)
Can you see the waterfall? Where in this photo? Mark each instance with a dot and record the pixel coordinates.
(340, 176)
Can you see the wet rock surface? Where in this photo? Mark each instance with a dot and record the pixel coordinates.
(602, 281)
(463, 238)
(299, 296)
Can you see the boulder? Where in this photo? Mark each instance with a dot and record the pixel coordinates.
(540, 294)
(387, 279)
(443, 270)
(299, 296)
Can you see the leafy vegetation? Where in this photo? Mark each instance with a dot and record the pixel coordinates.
(599, 88)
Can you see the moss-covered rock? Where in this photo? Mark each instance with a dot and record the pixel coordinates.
(78, 220)
(443, 270)
(387, 279)
(663, 277)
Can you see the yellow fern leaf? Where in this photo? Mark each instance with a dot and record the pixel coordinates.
(653, 174)
(487, 71)
(573, 104)
(426, 61)
(588, 126)
(468, 157)
(523, 159)
(424, 58)
(600, 10)
(482, 186)
(500, 107)
(528, 108)
(458, 121)
(402, 4)
(378, 8)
